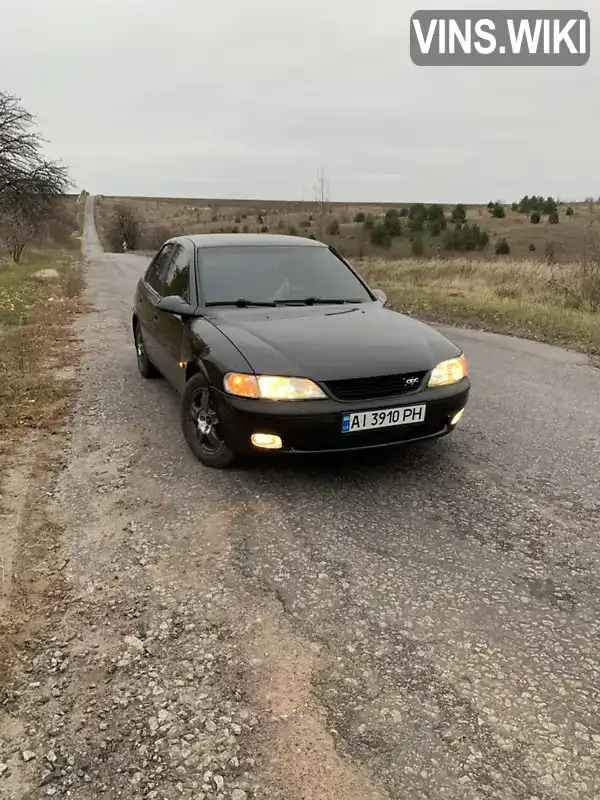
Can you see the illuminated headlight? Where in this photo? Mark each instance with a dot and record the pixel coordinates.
(272, 387)
(448, 372)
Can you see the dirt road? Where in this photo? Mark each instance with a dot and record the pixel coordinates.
(417, 624)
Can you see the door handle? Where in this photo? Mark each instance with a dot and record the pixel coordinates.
(156, 318)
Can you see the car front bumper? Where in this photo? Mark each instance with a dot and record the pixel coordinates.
(316, 426)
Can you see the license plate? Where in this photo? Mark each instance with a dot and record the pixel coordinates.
(368, 420)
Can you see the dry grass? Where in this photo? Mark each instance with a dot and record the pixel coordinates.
(35, 341)
(554, 303)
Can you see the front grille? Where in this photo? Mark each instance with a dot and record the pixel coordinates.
(374, 388)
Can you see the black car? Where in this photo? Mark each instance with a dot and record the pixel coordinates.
(277, 344)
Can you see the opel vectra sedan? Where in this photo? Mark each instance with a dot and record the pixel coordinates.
(276, 344)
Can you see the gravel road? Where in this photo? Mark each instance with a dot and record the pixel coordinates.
(408, 624)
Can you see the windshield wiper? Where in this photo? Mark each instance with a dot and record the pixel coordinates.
(305, 301)
(241, 303)
(312, 301)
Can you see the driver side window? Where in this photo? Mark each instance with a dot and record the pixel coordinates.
(158, 270)
(178, 274)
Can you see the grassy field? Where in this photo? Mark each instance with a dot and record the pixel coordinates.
(160, 218)
(559, 304)
(37, 387)
(35, 337)
(547, 287)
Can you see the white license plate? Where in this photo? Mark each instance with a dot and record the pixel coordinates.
(368, 420)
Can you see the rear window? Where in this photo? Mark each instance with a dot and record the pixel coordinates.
(265, 273)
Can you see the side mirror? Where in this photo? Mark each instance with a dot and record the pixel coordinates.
(173, 304)
(381, 296)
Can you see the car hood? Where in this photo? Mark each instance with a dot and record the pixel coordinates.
(333, 342)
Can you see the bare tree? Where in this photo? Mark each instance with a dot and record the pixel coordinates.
(124, 230)
(28, 181)
(321, 203)
(17, 230)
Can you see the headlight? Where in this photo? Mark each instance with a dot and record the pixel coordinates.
(272, 387)
(451, 371)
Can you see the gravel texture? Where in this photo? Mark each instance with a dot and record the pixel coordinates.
(419, 623)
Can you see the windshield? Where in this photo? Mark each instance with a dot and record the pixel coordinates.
(274, 273)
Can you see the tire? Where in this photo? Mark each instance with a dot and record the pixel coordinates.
(145, 366)
(197, 407)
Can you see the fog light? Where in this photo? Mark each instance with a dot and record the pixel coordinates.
(457, 417)
(268, 441)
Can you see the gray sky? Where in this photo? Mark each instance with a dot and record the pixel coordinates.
(248, 98)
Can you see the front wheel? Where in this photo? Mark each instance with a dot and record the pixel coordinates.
(201, 425)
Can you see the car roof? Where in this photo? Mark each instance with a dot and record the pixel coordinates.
(202, 240)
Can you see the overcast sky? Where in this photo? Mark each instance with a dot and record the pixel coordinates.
(248, 98)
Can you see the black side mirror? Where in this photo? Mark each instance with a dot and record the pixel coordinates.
(381, 296)
(173, 304)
